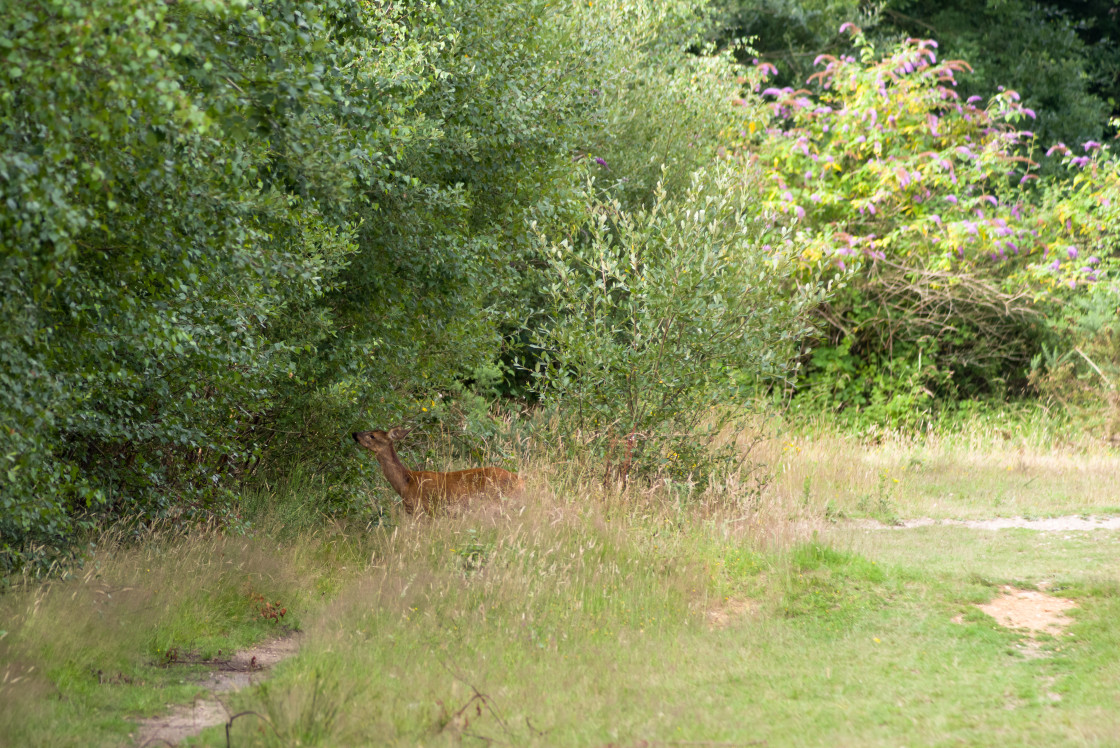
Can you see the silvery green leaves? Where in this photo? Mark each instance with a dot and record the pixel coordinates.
(660, 318)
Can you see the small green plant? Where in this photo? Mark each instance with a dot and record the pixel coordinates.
(473, 552)
(881, 504)
(169, 656)
(833, 513)
(304, 713)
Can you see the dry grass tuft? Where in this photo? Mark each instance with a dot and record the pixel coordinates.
(967, 475)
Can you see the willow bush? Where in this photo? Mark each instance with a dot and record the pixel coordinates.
(659, 316)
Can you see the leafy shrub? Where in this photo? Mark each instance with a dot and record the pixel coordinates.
(924, 204)
(176, 179)
(656, 316)
(1080, 370)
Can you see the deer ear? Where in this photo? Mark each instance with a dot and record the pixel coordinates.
(399, 433)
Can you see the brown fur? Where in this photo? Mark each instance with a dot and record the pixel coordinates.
(429, 490)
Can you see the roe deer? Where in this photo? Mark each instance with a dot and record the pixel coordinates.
(427, 490)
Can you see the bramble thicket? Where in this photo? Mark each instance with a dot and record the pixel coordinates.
(233, 233)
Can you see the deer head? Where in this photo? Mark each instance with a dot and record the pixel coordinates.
(380, 442)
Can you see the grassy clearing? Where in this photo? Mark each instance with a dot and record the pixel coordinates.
(990, 465)
(577, 631)
(117, 640)
(586, 617)
(1013, 554)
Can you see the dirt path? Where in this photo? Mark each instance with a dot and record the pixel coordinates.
(1070, 523)
(240, 671)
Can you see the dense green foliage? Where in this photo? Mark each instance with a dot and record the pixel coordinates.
(230, 234)
(174, 181)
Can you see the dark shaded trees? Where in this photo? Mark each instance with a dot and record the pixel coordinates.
(1062, 57)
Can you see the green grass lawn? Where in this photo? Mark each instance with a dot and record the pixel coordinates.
(584, 618)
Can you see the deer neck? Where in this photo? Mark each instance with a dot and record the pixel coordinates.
(396, 473)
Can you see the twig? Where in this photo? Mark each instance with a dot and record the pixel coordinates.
(539, 733)
(710, 743)
(1107, 381)
(478, 695)
(267, 721)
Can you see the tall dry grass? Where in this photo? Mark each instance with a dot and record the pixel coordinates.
(537, 594)
(980, 467)
(575, 582)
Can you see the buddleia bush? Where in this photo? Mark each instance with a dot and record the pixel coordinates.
(928, 205)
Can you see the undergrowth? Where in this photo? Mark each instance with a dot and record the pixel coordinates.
(582, 614)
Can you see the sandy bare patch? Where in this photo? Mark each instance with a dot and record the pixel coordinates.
(1070, 523)
(1034, 611)
(731, 610)
(183, 722)
(233, 674)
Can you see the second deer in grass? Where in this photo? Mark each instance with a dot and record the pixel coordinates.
(427, 490)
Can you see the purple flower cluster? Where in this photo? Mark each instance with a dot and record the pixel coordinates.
(860, 149)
